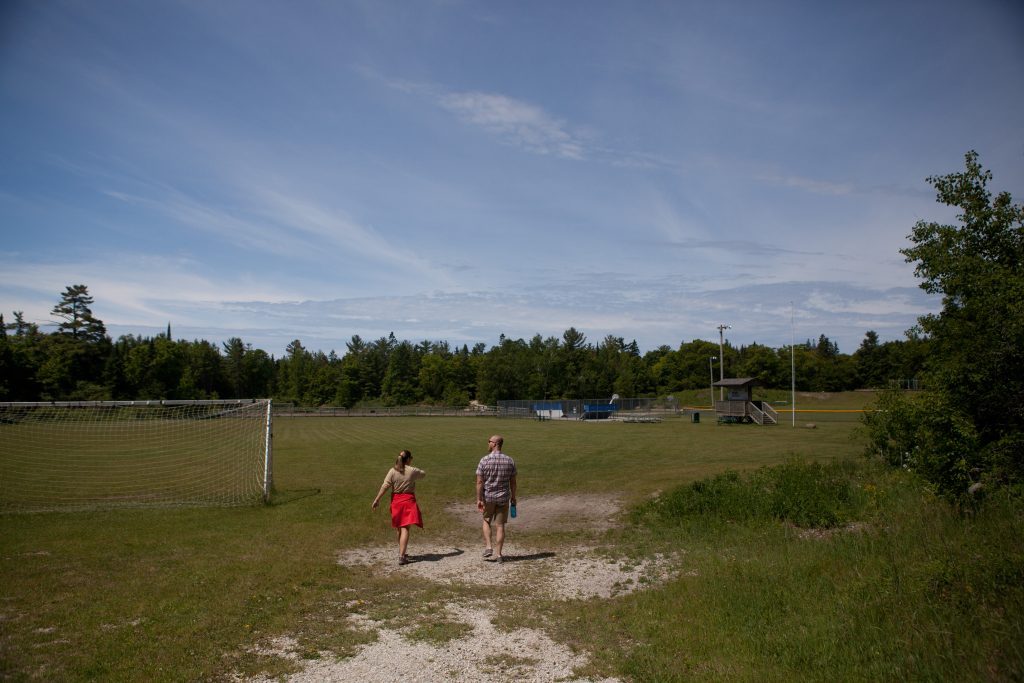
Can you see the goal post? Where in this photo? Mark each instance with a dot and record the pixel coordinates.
(110, 454)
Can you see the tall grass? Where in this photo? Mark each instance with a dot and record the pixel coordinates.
(868, 577)
(905, 589)
(807, 494)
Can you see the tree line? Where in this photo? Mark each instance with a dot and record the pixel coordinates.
(79, 361)
(963, 432)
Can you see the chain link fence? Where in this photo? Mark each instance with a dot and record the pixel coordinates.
(624, 409)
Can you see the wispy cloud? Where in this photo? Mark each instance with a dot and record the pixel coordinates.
(128, 286)
(628, 309)
(526, 125)
(812, 185)
(515, 122)
(748, 248)
(256, 209)
(217, 220)
(332, 227)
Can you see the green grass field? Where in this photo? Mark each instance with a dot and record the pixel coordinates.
(182, 594)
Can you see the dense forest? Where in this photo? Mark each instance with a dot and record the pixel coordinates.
(79, 361)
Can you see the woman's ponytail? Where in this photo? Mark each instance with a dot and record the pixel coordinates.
(403, 458)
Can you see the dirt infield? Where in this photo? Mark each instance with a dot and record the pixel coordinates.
(484, 651)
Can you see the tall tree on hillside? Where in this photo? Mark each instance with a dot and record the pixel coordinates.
(76, 316)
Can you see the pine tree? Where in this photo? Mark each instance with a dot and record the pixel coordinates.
(76, 315)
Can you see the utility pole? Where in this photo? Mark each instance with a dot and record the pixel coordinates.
(711, 371)
(721, 359)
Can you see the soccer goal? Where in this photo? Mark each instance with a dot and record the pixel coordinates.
(109, 454)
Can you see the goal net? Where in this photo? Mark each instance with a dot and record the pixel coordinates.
(89, 455)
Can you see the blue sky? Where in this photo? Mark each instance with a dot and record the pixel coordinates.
(456, 171)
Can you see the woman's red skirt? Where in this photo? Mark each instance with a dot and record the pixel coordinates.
(405, 511)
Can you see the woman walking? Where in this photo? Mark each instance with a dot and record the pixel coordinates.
(401, 479)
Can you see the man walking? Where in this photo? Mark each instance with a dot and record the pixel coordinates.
(495, 491)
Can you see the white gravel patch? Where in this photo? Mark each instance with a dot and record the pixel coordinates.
(560, 574)
(486, 653)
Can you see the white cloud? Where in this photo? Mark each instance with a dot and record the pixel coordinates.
(130, 288)
(516, 122)
(812, 185)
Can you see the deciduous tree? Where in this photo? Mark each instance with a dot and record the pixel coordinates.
(976, 360)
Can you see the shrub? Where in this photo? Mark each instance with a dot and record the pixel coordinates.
(807, 494)
(925, 433)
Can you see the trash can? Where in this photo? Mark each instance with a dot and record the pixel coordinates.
(695, 417)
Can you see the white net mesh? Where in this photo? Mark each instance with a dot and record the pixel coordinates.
(68, 456)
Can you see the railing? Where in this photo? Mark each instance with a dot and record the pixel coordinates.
(758, 411)
(763, 413)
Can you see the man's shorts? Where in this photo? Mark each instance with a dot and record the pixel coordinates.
(495, 513)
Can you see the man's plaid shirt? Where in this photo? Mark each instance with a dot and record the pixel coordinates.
(496, 469)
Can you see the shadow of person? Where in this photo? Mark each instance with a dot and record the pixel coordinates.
(527, 558)
(435, 557)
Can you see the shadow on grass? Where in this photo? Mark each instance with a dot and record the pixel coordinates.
(285, 497)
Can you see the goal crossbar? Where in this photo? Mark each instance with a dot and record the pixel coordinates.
(78, 455)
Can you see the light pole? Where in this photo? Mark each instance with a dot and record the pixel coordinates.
(721, 361)
(711, 371)
(792, 365)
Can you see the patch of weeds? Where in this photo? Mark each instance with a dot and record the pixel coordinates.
(256, 664)
(515, 615)
(805, 494)
(509, 665)
(438, 631)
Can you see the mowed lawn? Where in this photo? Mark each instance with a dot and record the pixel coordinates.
(172, 594)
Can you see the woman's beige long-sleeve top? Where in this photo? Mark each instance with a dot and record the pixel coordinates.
(403, 482)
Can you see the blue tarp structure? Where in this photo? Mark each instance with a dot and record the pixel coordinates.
(598, 411)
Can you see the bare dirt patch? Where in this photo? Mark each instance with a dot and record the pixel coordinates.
(587, 511)
(566, 573)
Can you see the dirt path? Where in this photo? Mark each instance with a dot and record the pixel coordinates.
(485, 652)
